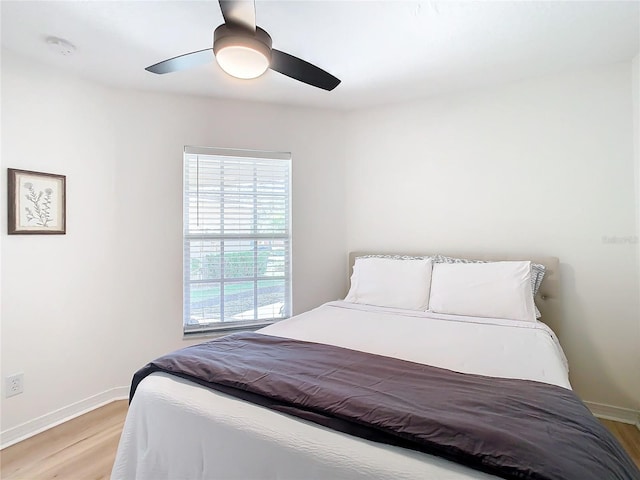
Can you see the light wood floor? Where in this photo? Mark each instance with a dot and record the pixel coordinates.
(85, 447)
(628, 436)
(82, 448)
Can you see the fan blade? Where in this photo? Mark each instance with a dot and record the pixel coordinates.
(239, 13)
(297, 68)
(183, 62)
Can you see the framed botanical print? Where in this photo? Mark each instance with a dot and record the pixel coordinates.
(37, 203)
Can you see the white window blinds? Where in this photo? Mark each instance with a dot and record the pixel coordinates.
(237, 238)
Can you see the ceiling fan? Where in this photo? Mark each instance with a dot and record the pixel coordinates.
(244, 50)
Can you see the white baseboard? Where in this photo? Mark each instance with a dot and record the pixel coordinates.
(45, 422)
(617, 414)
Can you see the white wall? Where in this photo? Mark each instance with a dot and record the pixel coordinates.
(58, 292)
(81, 312)
(541, 167)
(635, 88)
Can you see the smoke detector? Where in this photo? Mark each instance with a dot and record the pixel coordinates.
(60, 46)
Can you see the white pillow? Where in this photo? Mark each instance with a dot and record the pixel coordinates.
(391, 282)
(537, 273)
(493, 290)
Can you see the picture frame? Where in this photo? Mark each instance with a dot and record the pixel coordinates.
(36, 203)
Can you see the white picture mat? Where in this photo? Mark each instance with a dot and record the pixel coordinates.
(39, 202)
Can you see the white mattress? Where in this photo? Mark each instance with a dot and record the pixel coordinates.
(176, 429)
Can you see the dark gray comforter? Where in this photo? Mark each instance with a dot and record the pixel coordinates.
(506, 427)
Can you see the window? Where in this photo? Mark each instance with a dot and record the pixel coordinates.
(237, 238)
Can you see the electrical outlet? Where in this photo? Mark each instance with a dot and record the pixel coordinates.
(14, 384)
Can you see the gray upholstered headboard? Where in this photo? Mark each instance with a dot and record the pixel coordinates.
(547, 298)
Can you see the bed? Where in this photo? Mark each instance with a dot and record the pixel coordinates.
(177, 428)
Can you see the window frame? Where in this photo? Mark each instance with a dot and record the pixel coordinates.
(222, 326)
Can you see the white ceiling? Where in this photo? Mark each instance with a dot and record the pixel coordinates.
(383, 52)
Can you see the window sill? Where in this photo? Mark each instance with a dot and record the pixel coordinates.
(216, 332)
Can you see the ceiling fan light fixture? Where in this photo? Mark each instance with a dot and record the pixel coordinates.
(242, 62)
(240, 53)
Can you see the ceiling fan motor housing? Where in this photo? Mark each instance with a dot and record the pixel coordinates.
(225, 36)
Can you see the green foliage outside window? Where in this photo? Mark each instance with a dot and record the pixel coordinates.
(236, 265)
